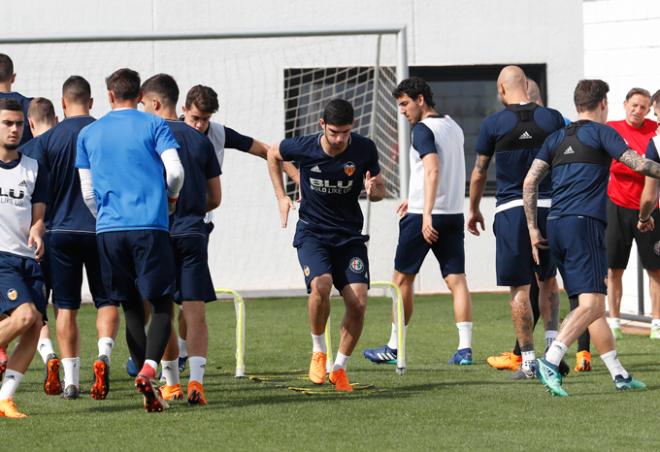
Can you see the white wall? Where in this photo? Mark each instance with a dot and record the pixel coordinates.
(622, 47)
(248, 249)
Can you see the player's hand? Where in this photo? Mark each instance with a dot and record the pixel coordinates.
(285, 204)
(36, 242)
(538, 243)
(402, 210)
(475, 219)
(646, 226)
(369, 184)
(428, 232)
(171, 205)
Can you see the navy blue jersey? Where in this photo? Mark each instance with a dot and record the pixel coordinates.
(580, 168)
(652, 151)
(56, 151)
(25, 103)
(330, 186)
(514, 154)
(199, 164)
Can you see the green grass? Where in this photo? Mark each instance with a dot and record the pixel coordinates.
(434, 406)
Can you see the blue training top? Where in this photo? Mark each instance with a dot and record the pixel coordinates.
(122, 150)
(515, 143)
(330, 187)
(580, 156)
(56, 151)
(200, 164)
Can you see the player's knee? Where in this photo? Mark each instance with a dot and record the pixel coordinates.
(456, 282)
(403, 279)
(25, 316)
(322, 285)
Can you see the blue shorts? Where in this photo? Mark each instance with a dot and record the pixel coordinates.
(66, 254)
(347, 263)
(137, 265)
(193, 277)
(514, 264)
(578, 246)
(21, 281)
(449, 249)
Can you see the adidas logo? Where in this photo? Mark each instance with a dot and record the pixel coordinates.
(569, 150)
(22, 184)
(315, 169)
(525, 136)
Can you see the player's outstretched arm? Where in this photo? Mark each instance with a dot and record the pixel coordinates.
(260, 149)
(640, 164)
(275, 172)
(477, 186)
(213, 193)
(535, 175)
(647, 203)
(37, 229)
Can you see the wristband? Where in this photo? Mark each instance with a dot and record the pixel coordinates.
(644, 221)
(172, 200)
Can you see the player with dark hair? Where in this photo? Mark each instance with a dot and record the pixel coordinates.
(7, 79)
(23, 197)
(624, 190)
(72, 243)
(121, 159)
(579, 157)
(335, 166)
(432, 216)
(189, 237)
(514, 136)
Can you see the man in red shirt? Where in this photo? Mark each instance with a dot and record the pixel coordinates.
(624, 191)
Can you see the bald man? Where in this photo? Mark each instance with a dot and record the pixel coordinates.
(515, 135)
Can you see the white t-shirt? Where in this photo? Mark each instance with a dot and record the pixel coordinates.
(443, 136)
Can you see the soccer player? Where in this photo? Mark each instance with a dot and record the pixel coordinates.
(514, 135)
(23, 196)
(432, 216)
(189, 237)
(512, 360)
(41, 118)
(7, 79)
(579, 157)
(72, 243)
(334, 167)
(122, 158)
(624, 190)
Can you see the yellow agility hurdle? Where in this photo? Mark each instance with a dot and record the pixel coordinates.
(397, 305)
(239, 307)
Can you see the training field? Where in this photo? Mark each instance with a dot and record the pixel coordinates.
(434, 406)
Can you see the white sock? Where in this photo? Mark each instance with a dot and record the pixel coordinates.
(45, 348)
(614, 322)
(655, 323)
(197, 367)
(153, 364)
(183, 348)
(105, 346)
(528, 357)
(10, 383)
(171, 372)
(318, 343)
(556, 352)
(71, 371)
(613, 364)
(394, 336)
(464, 335)
(550, 336)
(341, 361)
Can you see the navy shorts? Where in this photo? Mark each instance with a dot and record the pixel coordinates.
(578, 246)
(67, 253)
(514, 264)
(449, 249)
(347, 263)
(136, 265)
(193, 277)
(21, 281)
